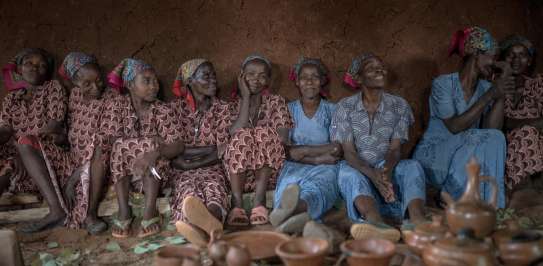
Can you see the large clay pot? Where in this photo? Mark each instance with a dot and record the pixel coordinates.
(462, 250)
(470, 211)
(303, 251)
(186, 255)
(521, 249)
(425, 234)
(371, 251)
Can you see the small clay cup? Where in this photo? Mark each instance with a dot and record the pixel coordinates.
(303, 251)
(186, 255)
(370, 251)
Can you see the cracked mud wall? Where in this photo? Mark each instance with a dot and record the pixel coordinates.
(411, 36)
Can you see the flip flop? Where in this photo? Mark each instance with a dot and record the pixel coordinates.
(294, 224)
(287, 205)
(148, 223)
(192, 234)
(197, 214)
(376, 230)
(259, 216)
(123, 225)
(237, 214)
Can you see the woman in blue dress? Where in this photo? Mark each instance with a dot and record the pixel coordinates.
(307, 185)
(466, 113)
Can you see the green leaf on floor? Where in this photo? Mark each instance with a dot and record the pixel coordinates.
(113, 246)
(176, 240)
(52, 245)
(68, 257)
(44, 258)
(171, 227)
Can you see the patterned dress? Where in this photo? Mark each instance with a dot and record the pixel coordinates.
(252, 148)
(207, 183)
(525, 144)
(372, 138)
(318, 183)
(444, 155)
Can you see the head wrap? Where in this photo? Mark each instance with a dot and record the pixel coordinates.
(73, 62)
(185, 71)
(234, 92)
(354, 69)
(13, 80)
(467, 41)
(125, 72)
(323, 71)
(513, 40)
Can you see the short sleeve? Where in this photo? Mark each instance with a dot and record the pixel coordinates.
(5, 113)
(168, 124)
(406, 119)
(280, 116)
(441, 98)
(57, 102)
(340, 127)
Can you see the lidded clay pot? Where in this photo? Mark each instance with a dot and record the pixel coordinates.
(425, 234)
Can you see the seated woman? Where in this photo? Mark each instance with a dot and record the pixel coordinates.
(466, 112)
(145, 134)
(371, 126)
(307, 184)
(32, 120)
(255, 152)
(200, 199)
(523, 114)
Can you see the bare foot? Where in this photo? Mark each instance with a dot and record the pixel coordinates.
(51, 220)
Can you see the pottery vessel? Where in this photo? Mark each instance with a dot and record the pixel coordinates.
(425, 234)
(303, 251)
(470, 211)
(186, 255)
(521, 249)
(461, 250)
(371, 251)
(222, 252)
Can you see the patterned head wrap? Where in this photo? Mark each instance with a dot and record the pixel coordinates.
(125, 72)
(234, 92)
(13, 80)
(323, 71)
(513, 40)
(185, 71)
(467, 41)
(354, 69)
(73, 62)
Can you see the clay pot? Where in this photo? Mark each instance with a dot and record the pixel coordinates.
(521, 249)
(238, 255)
(186, 255)
(303, 251)
(504, 235)
(470, 211)
(425, 234)
(369, 251)
(461, 250)
(224, 253)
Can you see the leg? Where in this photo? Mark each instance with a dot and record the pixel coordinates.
(122, 188)
(368, 209)
(416, 211)
(151, 188)
(4, 184)
(262, 176)
(97, 176)
(410, 188)
(237, 183)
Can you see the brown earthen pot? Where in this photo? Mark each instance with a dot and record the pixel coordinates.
(425, 234)
(303, 251)
(521, 249)
(470, 211)
(186, 255)
(371, 251)
(462, 250)
(505, 234)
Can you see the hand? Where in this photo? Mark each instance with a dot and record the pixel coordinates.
(183, 164)
(143, 163)
(243, 87)
(337, 150)
(69, 189)
(297, 153)
(383, 182)
(327, 159)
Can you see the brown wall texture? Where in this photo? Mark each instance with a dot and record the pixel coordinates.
(411, 36)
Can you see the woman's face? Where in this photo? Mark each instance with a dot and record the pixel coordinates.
(257, 76)
(373, 74)
(145, 86)
(485, 62)
(519, 58)
(204, 80)
(309, 82)
(89, 80)
(33, 69)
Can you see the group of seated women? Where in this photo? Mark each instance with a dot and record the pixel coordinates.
(70, 140)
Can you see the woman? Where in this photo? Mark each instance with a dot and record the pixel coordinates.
(145, 135)
(255, 152)
(466, 112)
(200, 192)
(32, 120)
(307, 185)
(372, 126)
(523, 113)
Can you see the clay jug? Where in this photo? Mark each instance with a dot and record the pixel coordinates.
(425, 234)
(470, 211)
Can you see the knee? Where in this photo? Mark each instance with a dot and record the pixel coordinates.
(494, 136)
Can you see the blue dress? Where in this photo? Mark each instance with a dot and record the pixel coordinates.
(318, 183)
(444, 155)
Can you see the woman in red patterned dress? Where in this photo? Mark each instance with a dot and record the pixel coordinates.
(145, 134)
(32, 120)
(200, 193)
(255, 152)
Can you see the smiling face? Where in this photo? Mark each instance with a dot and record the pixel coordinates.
(309, 82)
(519, 58)
(372, 74)
(33, 69)
(257, 75)
(485, 62)
(89, 79)
(204, 80)
(145, 86)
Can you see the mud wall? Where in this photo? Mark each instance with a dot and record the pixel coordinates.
(411, 36)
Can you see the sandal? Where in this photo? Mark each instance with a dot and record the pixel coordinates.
(238, 217)
(123, 225)
(191, 234)
(259, 215)
(148, 223)
(197, 213)
(375, 230)
(288, 203)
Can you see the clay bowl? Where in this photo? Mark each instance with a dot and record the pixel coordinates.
(260, 244)
(371, 251)
(522, 249)
(303, 251)
(186, 255)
